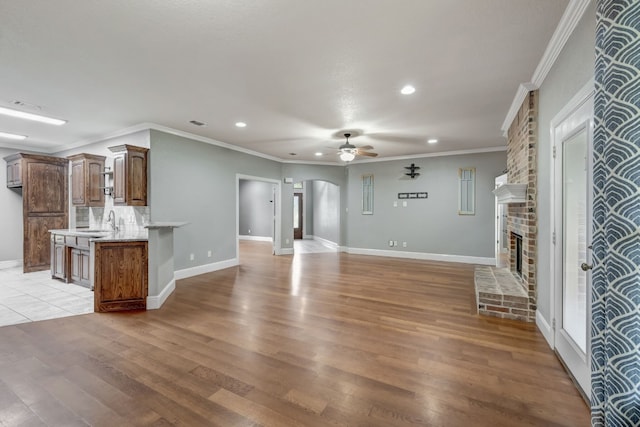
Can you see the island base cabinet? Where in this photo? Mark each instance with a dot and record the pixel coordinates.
(120, 276)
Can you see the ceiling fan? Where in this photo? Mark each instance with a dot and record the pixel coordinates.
(349, 151)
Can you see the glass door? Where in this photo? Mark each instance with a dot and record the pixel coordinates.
(573, 180)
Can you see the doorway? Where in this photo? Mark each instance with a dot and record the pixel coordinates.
(258, 211)
(298, 215)
(572, 145)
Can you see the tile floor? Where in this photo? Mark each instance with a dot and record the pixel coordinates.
(35, 296)
(309, 246)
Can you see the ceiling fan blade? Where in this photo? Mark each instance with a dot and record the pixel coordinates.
(366, 153)
(365, 147)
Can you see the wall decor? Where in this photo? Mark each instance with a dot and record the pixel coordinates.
(412, 171)
(367, 194)
(467, 191)
(420, 195)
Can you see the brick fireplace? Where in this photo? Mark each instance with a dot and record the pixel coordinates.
(522, 217)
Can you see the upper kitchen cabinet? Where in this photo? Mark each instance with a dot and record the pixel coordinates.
(87, 179)
(14, 171)
(44, 184)
(129, 175)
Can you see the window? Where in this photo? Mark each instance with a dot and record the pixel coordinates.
(367, 194)
(466, 191)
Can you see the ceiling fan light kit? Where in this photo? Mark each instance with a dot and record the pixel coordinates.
(347, 156)
(348, 151)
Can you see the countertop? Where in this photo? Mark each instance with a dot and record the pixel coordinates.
(165, 224)
(105, 235)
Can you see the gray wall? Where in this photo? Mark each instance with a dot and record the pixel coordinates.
(571, 71)
(10, 216)
(196, 182)
(255, 208)
(432, 225)
(326, 211)
(308, 208)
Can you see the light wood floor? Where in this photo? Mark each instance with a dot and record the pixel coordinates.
(310, 340)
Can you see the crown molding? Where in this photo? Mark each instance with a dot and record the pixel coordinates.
(570, 19)
(440, 154)
(153, 126)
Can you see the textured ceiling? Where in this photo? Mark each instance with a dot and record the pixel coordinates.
(297, 72)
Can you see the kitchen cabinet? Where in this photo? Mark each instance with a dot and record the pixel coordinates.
(120, 275)
(129, 175)
(58, 257)
(14, 172)
(79, 267)
(87, 179)
(44, 184)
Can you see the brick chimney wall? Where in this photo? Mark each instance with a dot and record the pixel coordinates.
(522, 217)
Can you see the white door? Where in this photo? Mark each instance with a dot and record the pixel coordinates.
(573, 186)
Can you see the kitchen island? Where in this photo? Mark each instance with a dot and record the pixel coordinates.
(114, 264)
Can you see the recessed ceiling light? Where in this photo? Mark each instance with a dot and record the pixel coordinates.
(318, 154)
(432, 141)
(241, 124)
(12, 136)
(197, 123)
(407, 90)
(29, 116)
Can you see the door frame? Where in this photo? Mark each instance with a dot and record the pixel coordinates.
(301, 213)
(558, 135)
(277, 234)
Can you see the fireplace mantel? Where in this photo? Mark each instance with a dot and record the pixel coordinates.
(511, 193)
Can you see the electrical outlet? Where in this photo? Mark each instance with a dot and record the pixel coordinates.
(249, 231)
(395, 243)
(390, 243)
(209, 254)
(404, 244)
(404, 203)
(192, 257)
(395, 204)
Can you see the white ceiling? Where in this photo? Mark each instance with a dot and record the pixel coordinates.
(298, 72)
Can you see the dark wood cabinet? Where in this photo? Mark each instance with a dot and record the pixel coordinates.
(120, 276)
(129, 175)
(44, 184)
(87, 179)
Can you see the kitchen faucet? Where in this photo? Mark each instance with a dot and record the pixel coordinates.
(112, 220)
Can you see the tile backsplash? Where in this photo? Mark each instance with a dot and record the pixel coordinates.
(129, 218)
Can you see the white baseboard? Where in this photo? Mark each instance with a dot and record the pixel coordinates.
(206, 268)
(326, 242)
(307, 237)
(256, 238)
(155, 302)
(545, 328)
(284, 251)
(11, 263)
(423, 255)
